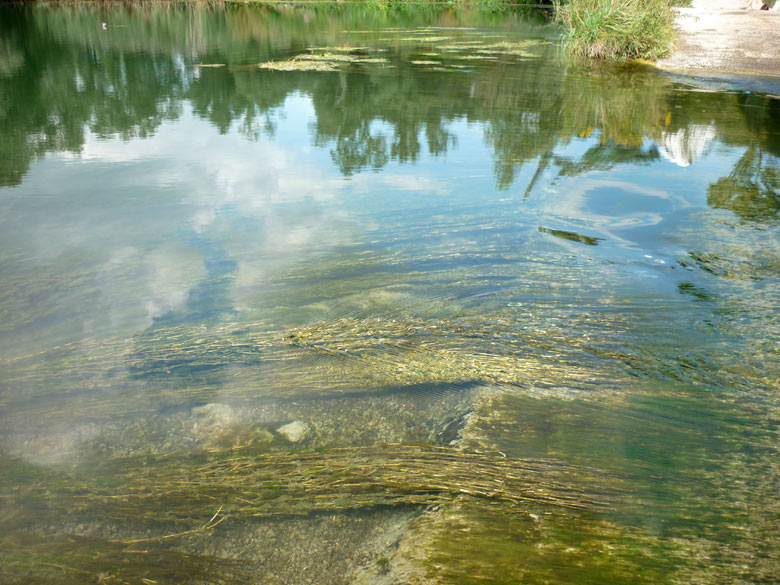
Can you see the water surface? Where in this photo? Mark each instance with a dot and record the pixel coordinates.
(373, 295)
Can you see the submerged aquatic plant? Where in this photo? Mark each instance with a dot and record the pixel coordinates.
(252, 483)
(75, 560)
(166, 500)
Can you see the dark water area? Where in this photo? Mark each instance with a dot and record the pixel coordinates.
(379, 295)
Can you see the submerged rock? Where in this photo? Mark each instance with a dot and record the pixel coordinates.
(294, 432)
(213, 412)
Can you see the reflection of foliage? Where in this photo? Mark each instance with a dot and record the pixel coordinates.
(761, 116)
(620, 107)
(223, 98)
(51, 100)
(752, 190)
(350, 106)
(360, 151)
(125, 81)
(11, 60)
(626, 105)
(522, 114)
(605, 156)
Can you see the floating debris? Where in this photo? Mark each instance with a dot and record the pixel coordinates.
(512, 52)
(571, 236)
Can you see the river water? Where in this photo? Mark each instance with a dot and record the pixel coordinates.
(379, 295)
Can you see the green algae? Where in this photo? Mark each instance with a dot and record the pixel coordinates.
(331, 58)
(424, 39)
(323, 61)
(475, 57)
(299, 65)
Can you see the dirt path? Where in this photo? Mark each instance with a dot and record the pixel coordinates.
(721, 36)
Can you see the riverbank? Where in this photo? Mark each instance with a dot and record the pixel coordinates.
(722, 37)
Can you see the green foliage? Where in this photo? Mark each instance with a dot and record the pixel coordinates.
(618, 29)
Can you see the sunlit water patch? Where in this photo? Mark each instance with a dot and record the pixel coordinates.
(339, 295)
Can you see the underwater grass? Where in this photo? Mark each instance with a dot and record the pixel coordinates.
(75, 560)
(187, 364)
(122, 519)
(197, 491)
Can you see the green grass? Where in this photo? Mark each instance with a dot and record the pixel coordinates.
(618, 29)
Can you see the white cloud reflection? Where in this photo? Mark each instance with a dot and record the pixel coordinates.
(151, 211)
(124, 232)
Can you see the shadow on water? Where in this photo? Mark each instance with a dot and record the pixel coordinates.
(416, 301)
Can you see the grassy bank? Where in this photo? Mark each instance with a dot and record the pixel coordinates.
(618, 29)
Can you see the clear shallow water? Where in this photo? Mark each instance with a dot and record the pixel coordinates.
(454, 309)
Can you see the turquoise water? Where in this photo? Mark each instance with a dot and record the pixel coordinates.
(429, 302)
